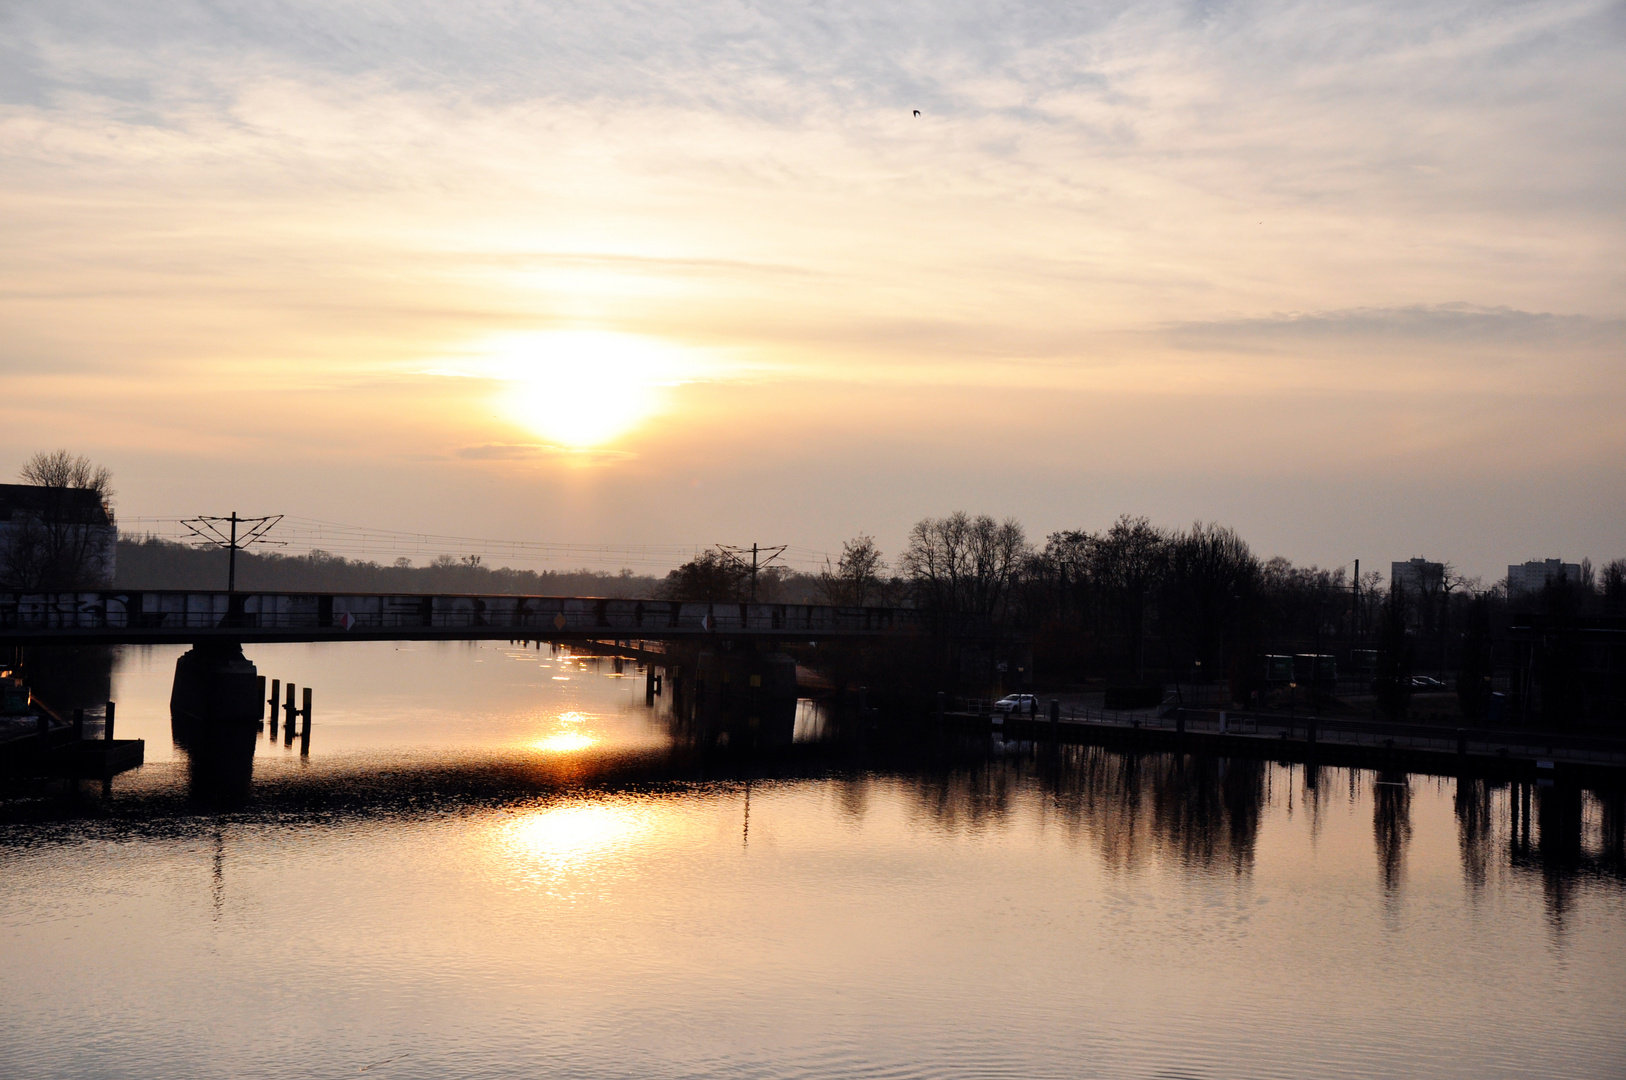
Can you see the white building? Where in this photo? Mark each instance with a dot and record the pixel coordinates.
(1532, 577)
(54, 538)
(1419, 576)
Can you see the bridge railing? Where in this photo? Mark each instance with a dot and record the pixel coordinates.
(341, 613)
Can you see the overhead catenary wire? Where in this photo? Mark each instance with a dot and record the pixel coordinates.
(305, 534)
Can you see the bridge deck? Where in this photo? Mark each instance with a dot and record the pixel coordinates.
(127, 616)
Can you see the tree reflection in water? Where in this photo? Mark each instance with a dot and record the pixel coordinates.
(1391, 828)
(1205, 813)
(1565, 835)
(1132, 809)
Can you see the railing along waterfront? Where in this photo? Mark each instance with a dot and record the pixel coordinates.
(1344, 732)
(153, 615)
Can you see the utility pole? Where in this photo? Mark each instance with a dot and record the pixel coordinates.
(1355, 614)
(222, 532)
(736, 555)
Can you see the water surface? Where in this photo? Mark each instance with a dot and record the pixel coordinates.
(493, 864)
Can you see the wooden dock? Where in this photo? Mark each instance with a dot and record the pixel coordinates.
(51, 747)
(93, 759)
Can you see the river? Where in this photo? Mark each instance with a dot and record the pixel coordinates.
(494, 863)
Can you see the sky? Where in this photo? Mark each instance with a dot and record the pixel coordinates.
(1346, 277)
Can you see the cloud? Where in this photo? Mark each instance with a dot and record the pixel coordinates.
(1447, 324)
(1381, 228)
(542, 452)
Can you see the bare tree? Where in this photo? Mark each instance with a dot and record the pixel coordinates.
(60, 469)
(965, 565)
(1129, 561)
(1211, 575)
(858, 576)
(1612, 584)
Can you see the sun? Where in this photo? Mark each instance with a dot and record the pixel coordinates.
(582, 389)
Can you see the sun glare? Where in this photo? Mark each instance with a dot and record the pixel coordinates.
(564, 742)
(567, 739)
(582, 389)
(569, 836)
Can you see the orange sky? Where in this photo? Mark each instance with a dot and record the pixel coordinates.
(1347, 278)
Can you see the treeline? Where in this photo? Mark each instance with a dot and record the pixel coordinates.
(152, 563)
(1136, 604)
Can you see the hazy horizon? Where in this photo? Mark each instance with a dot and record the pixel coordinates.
(1346, 279)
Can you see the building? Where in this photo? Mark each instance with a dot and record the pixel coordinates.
(55, 539)
(1419, 576)
(1530, 578)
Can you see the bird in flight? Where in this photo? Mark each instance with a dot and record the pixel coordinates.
(917, 112)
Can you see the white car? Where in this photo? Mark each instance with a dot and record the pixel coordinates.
(1021, 704)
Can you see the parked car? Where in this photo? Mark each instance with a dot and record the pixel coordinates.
(1021, 704)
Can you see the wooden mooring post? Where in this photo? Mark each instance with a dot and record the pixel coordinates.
(262, 700)
(276, 691)
(305, 728)
(288, 714)
(649, 684)
(107, 724)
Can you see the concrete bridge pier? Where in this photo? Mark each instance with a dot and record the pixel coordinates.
(750, 696)
(215, 683)
(215, 710)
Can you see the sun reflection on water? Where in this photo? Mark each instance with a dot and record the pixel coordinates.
(572, 836)
(568, 736)
(565, 742)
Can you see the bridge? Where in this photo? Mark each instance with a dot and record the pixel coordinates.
(137, 617)
(218, 698)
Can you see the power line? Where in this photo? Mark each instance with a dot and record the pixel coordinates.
(736, 555)
(359, 541)
(213, 531)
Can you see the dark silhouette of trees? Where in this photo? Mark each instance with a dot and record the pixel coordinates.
(859, 576)
(1612, 587)
(709, 576)
(1210, 580)
(1557, 658)
(150, 563)
(1127, 563)
(964, 565)
(1393, 683)
(1476, 667)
